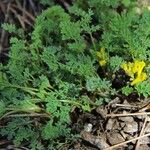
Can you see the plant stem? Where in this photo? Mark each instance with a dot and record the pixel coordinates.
(94, 46)
(71, 102)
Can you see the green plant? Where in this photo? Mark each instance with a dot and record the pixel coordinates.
(126, 90)
(143, 89)
(56, 68)
(44, 76)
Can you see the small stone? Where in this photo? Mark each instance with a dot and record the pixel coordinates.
(115, 138)
(126, 119)
(101, 143)
(112, 124)
(130, 147)
(143, 147)
(88, 127)
(98, 141)
(148, 120)
(131, 127)
(140, 117)
(144, 140)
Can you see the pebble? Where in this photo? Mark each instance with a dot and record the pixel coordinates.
(88, 127)
(144, 147)
(112, 124)
(131, 127)
(98, 141)
(101, 143)
(144, 140)
(126, 119)
(115, 138)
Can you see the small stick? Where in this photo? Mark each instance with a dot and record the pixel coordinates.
(4, 142)
(25, 12)
(19, 17)
(124, 105)
(128, 114)
(141, 133)
(3, 31)
(126, 142)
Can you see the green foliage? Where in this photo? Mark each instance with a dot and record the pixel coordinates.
(2, 108)
(115, 62)
(126, 90)
(19, 129)
(18, 60)
(143, 89)
(97, 84)
(51, 132)
(9, 27)
(127, 35)
(56, 68)
(47, 2)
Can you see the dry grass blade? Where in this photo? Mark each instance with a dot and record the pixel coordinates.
(141, 133)
(126, 142)
(25, 12)
(3, 31)
(128, 114)
(19, 17)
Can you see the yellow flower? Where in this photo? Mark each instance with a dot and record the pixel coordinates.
(134, 70)
(139, 79)
(102, 62)
(138, 67)
(127, 67)
(102, 56)
(101, 53)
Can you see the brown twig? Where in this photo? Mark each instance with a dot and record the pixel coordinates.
(128, 114)
(125, 105)
(18, 16)
(4, 142)
(141, 133)
(3, 31)
(25, 12)
(126, 142)
(21, 19)
(64, 3)
(33, 7)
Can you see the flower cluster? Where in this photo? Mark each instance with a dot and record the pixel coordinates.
(102, 56)
(135, 71)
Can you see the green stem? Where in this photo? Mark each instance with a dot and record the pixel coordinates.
(26, 89)
(29, 115)
(77, 103)
(71, 102)
(94, 46)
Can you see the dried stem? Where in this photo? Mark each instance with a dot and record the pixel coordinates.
(126, 142)
(128, 114)
(141, 133)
